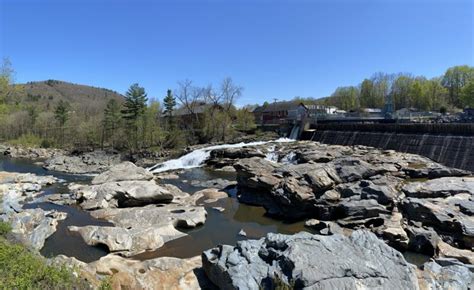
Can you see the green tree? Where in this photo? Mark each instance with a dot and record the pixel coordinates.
(245, 120)
(366, 93)
(112, 121)
(133, 109)
(455, 79)
(170, 103)
(467, 95)
(61, 114)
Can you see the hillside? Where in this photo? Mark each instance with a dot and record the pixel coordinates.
(48, 93)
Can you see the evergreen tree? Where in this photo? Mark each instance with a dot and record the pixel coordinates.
(169, 102)
(61, 114)
(133, 109)
(112, 118)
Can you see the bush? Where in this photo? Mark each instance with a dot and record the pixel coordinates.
(28, 140)
(5, 228)
(22, 269)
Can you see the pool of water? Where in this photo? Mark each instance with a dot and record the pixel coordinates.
(219, 228)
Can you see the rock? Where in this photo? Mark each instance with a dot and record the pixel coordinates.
(435, 276)
(16, 188)
(182, 216)
(28, 153)
(443, 215)
(423, 240)
(169, 176)
(218, 208)
(211, 194)
(159, 273)
(335, 262)
(128, 242)
(82, 163)
(448, 251)
(324, 227)
(33, 226)
(393, 231)
(440, 187)
(121, 194)
(124, 171)
(215, 183)
(242, 233)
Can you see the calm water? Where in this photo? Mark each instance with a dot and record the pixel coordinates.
(220, 227)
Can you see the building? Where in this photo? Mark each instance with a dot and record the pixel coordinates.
(279, 113)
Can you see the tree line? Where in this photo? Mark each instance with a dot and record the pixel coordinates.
(451, 91)
(189, 114)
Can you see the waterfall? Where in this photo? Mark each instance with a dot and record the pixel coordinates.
(197, 157)
(295, 132)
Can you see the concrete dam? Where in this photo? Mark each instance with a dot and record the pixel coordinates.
(449, 145)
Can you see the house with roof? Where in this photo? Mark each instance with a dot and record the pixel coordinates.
(279, 113)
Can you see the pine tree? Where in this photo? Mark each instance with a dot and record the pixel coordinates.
(61, 114)
(112, 118)
(133, 108)
(169, 102)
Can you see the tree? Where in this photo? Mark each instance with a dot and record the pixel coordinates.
(112, 121)
(61, 114)
(169, 102)
(366, 93)
(245, 120)
(467, 95)
(455, 79)
(133, 108)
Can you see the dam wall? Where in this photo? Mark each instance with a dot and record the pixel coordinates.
(451, 150)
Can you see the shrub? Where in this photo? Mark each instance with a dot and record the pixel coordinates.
(22, 269)
(28, 140)
(5, 228)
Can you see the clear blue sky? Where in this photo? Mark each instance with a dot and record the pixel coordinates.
(274, 49)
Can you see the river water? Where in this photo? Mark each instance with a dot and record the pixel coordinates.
(219, 228)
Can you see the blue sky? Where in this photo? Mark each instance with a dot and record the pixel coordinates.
(274, 49)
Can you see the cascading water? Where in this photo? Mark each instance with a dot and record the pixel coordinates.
(295, 132)
(197, 157)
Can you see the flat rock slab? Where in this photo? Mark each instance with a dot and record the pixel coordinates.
(128, 242)
(121, 172)
(440, 187)
(154, 216)
(361, 261)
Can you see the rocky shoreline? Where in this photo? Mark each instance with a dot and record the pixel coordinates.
(365, 205)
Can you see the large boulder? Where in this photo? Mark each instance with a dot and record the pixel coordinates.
(440, 187)
(123, 172)
(33, 226)
(451, 276)
(310, 261)
(160, 273)
(128, 242)
(184, 216)
(82, 163)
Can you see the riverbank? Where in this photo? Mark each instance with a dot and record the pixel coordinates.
(164, 230)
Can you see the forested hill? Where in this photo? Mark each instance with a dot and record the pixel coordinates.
(47, 94)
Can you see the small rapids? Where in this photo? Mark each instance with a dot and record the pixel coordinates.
(197, 157)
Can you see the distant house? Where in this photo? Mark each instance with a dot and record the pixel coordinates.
(198, 111)
(280, 113)
(372, 112)
(320, 110)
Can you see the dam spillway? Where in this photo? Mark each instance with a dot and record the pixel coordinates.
(451, 150)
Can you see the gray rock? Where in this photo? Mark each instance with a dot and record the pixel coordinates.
(84, 163)
(128, 242)
(183, 216)
(121, 194)
(440, 187)
(423, 240)
(435, 276)
(124, 171)
(335, 262)
(33, 226)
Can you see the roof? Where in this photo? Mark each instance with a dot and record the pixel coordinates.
(279, 106)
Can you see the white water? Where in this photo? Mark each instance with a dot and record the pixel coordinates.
(197, 157)
(294, 132)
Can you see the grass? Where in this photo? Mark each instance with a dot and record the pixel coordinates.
(22, 269)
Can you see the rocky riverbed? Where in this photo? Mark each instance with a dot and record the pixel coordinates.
(362, 208)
